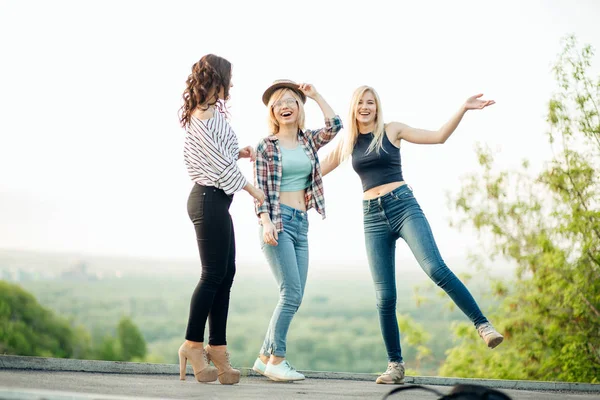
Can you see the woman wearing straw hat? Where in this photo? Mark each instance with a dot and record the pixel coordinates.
(287, 170)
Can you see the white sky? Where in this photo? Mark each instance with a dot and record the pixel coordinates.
(90, 146)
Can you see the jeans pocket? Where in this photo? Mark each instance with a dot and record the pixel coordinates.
(195, 206)
(404, 195)
(286, 217)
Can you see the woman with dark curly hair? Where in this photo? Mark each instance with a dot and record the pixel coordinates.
(211, 152)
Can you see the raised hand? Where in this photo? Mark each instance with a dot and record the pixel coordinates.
(475, 103)
(309, 90)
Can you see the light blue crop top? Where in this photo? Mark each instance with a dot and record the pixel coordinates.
(296, 169)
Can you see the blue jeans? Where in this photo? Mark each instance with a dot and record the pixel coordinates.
(289, 264)
(386, 219)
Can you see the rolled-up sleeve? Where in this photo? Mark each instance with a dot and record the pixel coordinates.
(260, 179)
(224, 168)
(325, 135)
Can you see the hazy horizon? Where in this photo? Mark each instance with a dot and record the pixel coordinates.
(55, 262)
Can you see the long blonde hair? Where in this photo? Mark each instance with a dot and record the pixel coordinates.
(276, 96)
(352, 135)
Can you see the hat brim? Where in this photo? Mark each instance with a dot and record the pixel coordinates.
(280, 85)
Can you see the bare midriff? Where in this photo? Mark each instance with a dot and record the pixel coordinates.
(380, 190)
(293, 199)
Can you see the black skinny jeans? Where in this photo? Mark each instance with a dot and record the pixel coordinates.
(208, 208)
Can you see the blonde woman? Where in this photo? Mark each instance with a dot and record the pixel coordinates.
(287, 169)
(391, 212)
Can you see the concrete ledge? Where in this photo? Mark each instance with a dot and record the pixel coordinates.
(32, 394)
(66, 364)
(506, 384)
(119, 367)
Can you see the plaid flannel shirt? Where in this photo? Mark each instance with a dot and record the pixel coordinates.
(267, 170)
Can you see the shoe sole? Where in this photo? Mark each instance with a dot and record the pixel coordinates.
(229, 378)
(258, 371)
(206, 376)
(381, 382)
(495, 342)
(277, 379)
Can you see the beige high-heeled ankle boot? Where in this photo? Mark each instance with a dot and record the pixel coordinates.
(203, 371)
(220, 357)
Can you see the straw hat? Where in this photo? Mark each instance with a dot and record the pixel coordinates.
(279, 84)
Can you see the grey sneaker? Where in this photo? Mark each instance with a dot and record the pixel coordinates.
(393, 375)
(491, 337)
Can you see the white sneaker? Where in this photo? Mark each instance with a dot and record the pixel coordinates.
(259, 366)
(283, 372)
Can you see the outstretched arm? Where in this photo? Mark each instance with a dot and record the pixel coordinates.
(422, 136)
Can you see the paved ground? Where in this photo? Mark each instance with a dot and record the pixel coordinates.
(56, 385)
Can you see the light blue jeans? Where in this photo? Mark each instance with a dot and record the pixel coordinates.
(289, 264)
(388, 218)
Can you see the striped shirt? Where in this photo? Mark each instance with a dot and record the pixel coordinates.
(211, 152)
(268, 170)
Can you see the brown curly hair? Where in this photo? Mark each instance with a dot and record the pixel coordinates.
(209, 75)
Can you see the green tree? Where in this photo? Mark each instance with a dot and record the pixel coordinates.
(127, 345)
(27, 328)
(415, 336)
(131, 341)
(549, 226)
(109, 349)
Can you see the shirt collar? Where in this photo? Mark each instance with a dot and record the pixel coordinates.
(274, 138)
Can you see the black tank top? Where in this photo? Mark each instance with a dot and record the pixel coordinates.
(377, 167)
